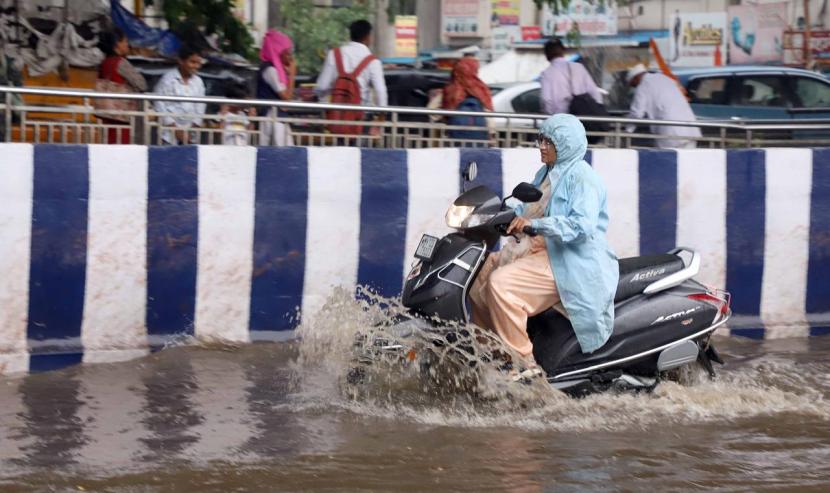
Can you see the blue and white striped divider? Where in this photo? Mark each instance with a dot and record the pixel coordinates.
(108, 251)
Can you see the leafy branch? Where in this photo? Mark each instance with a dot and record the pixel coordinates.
(190, 18)
(316, 30)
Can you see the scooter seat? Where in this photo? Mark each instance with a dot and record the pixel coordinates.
(636, 273)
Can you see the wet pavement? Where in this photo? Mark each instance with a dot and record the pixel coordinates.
(275, 417)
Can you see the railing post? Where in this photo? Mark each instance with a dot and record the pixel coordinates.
(723, 137)
(394, 130)
(749, 138)
(273, 114)
(145, 122)
(7, 116)
(617, 135)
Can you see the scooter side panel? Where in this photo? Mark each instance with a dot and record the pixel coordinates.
(641, 323)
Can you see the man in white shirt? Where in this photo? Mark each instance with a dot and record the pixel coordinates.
(563, 80)
(353, 53)
(181, 81)
(658, 97)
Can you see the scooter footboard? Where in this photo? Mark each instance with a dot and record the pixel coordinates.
(642, 324)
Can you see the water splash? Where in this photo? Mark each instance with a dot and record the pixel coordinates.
(465, 387)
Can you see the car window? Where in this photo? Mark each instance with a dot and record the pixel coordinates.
(811, 93)
(527, 102)
(763, 90)
(710, 90)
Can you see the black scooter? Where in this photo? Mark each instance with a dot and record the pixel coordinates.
(663, 317)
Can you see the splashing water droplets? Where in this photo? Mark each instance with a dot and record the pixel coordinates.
(436, 379)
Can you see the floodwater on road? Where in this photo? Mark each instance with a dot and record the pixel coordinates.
(277, 417)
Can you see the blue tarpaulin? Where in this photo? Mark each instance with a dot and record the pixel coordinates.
(142, 35)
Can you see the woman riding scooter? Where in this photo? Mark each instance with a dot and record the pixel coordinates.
(569, 261)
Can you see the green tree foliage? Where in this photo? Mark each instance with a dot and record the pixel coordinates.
(187, 18)
(316, 30)
(399, 7)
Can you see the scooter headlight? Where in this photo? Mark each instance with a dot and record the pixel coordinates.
(456, 215)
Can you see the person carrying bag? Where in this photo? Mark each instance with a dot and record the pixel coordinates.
(355, 87)
(346, 90)
(585, 105)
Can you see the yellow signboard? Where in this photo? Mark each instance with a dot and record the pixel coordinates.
(505, 13)
(406, 36)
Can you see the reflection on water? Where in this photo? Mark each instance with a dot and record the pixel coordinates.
(168, 413)
(49, 417)
(273, 416)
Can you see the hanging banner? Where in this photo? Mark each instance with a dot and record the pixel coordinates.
(756, 32)
(697, 40)
(820, 44)
(465, 18)
(406, 36)
(505, 13)
(589, 17)
(794, 46)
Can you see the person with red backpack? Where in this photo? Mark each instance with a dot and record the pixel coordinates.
(349, 74)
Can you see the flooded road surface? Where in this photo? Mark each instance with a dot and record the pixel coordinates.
(269, 417)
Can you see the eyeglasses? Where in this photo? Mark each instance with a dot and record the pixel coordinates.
(542, 141)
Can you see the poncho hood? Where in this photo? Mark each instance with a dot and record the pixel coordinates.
(568, 135)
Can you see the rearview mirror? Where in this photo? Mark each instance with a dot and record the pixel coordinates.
(470, 171)
(527, 193)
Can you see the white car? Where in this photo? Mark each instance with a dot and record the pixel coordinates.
(517, 97)
(520, 97)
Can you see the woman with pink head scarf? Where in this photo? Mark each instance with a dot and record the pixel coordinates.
(275, 80)
(278, 69)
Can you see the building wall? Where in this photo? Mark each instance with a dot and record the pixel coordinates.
(655, 14)
(528, 13)
(429, 24)
(384, 31)
(256, 16)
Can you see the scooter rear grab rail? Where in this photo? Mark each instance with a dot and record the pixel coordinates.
(676, 279)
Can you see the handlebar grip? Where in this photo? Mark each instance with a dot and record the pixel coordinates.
(529, 231)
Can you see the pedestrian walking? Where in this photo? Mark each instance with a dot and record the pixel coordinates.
(658, 97)
(350, 73)
(567, 87)
(276, 80)
(117, 75)
(183, 116)
(466, 92)
(562, 80)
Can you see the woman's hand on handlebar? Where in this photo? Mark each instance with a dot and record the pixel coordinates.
(517, 225)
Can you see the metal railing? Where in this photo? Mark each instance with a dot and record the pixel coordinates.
(388, 127)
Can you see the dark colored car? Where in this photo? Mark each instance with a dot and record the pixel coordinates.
(410, 87)
(756, 92)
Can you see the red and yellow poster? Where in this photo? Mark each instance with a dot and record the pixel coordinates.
(406, 35)
(505, 13)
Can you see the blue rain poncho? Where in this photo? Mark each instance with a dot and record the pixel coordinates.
(576, 220)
